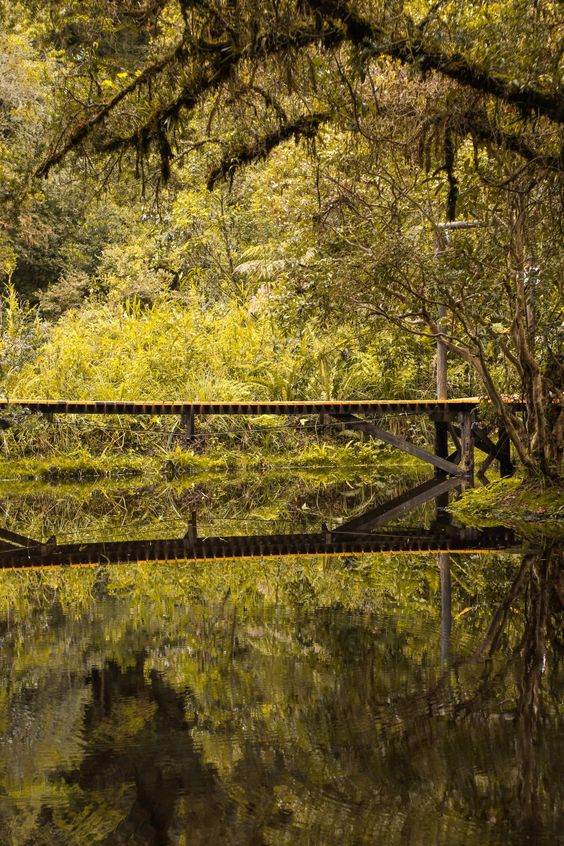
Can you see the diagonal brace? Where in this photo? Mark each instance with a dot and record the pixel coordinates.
(354, 422)
(398, 506)
(19, 540)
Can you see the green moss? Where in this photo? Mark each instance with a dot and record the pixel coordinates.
(526, 506)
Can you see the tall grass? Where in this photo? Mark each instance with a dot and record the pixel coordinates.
(180, 347)
(184, 349)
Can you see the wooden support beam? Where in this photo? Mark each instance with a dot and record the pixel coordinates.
(457, 454)
(467, 442)
(18, 540)
(482, 441)
(441, 446)
(191, 535)
(378, 434)
(481, 474)
(442, 427)
(500, 451)
(506, 466)
(188, 420)
(398, 506)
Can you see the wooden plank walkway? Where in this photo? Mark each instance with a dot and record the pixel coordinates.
(444, 413)
(177, 550)
(286, 408)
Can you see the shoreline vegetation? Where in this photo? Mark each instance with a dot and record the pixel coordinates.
(83, 465)
(528, 506)
(521, 504)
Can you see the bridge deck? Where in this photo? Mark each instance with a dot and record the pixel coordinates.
(286, 408)
(253, 546)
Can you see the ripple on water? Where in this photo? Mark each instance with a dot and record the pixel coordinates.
(232, 719)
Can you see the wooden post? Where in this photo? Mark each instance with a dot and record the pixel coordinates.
(467, 441)
(442, 377)
(189, 423)
(441, 449)
(441, 427)
(192, 533)
(441, 444)
(506, 467)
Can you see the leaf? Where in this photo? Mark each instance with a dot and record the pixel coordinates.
(462, 613)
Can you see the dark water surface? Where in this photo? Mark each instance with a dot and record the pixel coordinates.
(289, 701)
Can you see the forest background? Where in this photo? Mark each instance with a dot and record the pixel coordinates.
(246, 200)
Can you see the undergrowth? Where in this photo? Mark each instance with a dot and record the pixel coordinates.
(83, 465)
(516, 503)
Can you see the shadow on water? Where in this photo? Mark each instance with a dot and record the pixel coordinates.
(348, 699)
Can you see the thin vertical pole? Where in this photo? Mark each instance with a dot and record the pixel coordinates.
(442, 375)
(442, 231)
(467, 441)
(189, 423)
(441, 427)
(446, 610)
(442, 379)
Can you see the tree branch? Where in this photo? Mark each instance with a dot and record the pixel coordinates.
(428, 55)
(305, 126)
(85, 129)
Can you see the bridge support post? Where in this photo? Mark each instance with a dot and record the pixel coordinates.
(441, 444)
(189, 423)
(441, 449)
(467, 443)
(506, 467)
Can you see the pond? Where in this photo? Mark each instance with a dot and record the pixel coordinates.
(390, 698)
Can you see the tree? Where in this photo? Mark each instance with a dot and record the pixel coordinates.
(459, 102)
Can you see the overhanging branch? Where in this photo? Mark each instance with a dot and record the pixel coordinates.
(428, 55)
(305, 126)
(81, 132)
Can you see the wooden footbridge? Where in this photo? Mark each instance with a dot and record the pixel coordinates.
(362, 535)
(19, 553)
(454, 418)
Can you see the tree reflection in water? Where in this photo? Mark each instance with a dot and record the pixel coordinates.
(207, 717)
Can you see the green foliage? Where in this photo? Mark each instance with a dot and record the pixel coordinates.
(20, 336)
(532, 508)
(181, 347)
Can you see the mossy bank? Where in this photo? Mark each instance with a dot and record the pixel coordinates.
(526, 506)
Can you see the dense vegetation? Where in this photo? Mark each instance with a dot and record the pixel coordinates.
(277, 199)
(247, 199)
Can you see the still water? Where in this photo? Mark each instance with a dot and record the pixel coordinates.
(305, 700)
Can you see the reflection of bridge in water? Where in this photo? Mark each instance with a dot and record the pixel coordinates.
(455, 419)
(361, 535)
